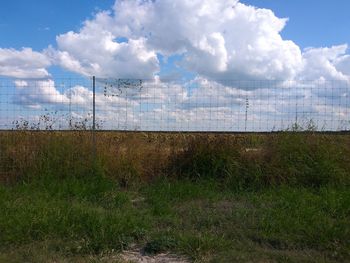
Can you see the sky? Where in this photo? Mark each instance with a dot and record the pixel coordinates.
(203, 43)
(312, 23)
(37, 24)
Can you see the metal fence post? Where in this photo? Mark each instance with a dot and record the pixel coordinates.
(94, 117)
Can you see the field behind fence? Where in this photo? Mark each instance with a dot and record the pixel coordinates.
(70, 124)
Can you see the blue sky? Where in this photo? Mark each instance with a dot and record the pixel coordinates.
(36, 23)
(210, 45)
(312, 22)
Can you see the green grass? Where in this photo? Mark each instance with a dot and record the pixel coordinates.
(211, 198)
(204, 220)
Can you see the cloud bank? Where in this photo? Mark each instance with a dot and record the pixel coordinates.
(222, 39)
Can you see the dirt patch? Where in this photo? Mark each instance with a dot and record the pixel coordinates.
(221, 206)
(137, 256)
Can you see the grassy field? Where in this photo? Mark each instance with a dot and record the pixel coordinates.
(211, 198)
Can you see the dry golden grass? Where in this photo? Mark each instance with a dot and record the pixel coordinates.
(134, 156)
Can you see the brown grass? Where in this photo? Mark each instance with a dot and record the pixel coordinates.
(135, 156)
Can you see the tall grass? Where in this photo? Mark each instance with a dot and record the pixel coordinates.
(295, 159)
(28, 154)
(240, 161)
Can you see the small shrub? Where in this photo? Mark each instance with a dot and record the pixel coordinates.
(206, 157)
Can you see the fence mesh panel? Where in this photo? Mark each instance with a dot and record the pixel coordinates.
(173, 105)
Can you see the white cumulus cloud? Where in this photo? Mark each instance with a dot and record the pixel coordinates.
(218, 40)
(326, 63)
(24, 63)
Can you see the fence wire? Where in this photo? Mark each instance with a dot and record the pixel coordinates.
(174, 105)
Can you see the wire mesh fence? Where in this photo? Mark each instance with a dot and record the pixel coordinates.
(173, 105)
(35, 112)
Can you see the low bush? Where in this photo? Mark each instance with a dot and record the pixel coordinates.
(206, 157)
